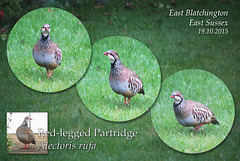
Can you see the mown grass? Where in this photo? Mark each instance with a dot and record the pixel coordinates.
(176, 47)
(95, 91)
(72, 38)
(200, 86)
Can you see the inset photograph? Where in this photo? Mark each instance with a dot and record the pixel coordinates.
(49, 50)
(123, 79)
(194, 112)
(23, 129)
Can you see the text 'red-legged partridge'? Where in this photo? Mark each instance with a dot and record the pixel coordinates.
(123, 80)
(46, 53)
(191, 113)
(25, 134)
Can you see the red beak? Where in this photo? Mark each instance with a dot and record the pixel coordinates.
(172, 96)
(30, 118)
(105, 54)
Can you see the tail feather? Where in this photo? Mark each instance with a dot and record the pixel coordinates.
(214, 120)
(142, 91)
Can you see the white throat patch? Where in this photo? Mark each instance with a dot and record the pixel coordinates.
(111, 58)
(45, 32)
(177, 99)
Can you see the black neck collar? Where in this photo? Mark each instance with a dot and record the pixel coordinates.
(44, 38)
(178, 103)
(113, 64)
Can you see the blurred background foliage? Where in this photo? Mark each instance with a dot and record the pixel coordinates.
(13, 10)
(176, 47)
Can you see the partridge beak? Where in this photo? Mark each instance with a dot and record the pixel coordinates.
(172, 96)
(105, 54)
(30, 118)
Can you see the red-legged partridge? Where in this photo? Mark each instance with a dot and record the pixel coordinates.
(123, 80)
(191, 113)
(25, 134)
(46, 53)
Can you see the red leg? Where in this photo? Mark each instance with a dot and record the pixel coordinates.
(24, 146)
(197, 128)
(51, 73)
(28, 145)
(125, 100)
(48, 73)
(129, 99)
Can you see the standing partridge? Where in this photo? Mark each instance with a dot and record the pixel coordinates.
(25, 134)
(123, 80)
(191, 113)
(46, 53)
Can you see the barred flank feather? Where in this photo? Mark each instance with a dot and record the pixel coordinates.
(201, 114)
(134, 85)
(58, 56)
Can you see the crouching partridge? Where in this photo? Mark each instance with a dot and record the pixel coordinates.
(191, 113)
(46, 53)
(25, 134)
(123, 80)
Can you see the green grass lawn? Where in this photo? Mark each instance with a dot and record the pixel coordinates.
(95, 91)
(176, 47)
(199, 86)
(72, 38)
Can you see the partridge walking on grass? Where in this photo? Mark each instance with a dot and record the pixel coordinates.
(46, 53)
(123, 80)
(25, 134)
(191, 113)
